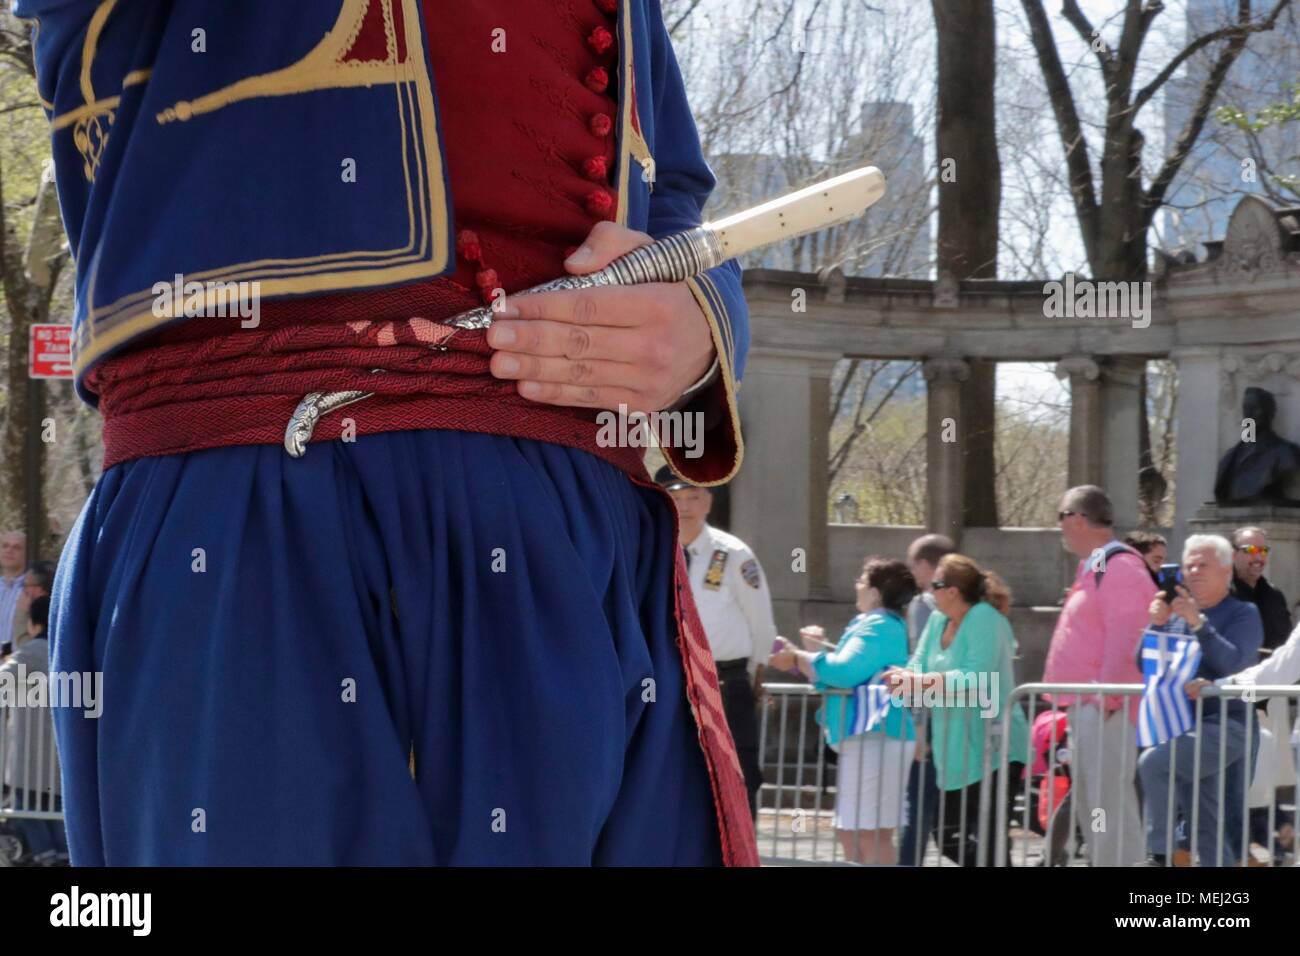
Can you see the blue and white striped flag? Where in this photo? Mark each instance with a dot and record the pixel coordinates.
(1168, 663)
(870, 705)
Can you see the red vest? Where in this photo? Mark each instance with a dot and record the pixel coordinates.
(527, 106)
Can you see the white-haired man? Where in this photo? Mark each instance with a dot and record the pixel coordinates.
(1229, 633)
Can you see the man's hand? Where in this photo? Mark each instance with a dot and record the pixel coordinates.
(1184, 605)
(641, 346)
(1159, 612)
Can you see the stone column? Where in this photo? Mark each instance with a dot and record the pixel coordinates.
(778, 499)
(944, 455)
(819, 482)
(1086, 450)
(1206, 405)
(1122, 412)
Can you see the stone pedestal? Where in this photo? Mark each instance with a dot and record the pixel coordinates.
(1283, 527)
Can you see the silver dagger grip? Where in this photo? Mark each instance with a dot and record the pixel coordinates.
(671, 259)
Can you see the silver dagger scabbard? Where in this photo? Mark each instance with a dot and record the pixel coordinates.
(309, 411)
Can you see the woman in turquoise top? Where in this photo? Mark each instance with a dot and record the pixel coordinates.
(962, 671)
(872, 769)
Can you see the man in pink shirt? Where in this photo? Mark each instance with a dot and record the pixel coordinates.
(1094, 642)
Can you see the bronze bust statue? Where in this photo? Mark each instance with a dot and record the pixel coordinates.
(1254, 472)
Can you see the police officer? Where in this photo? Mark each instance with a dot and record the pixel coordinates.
(735, 609)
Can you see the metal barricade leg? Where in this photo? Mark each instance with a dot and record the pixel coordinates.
(780, 773)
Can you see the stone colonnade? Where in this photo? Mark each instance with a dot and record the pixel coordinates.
(779, 499)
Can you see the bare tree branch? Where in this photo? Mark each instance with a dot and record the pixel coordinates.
(1082, 191)
(677, 24)
(1196, 122)
(1236, 32)
(1090, 35)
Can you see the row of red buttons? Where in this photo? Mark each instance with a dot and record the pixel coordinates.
(599, 202)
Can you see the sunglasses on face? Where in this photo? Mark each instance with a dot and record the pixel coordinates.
(1253, 549)
(938, 585)
(1062, 515)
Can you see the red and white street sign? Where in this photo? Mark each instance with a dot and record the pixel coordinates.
(50, 355)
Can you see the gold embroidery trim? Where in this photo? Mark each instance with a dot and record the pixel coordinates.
(323, 68)
(705, 293)
(625, 110)
(423, 257)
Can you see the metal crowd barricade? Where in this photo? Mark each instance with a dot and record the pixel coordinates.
(31, 793)
(1073, 822)
(795, 819)
(795, 827)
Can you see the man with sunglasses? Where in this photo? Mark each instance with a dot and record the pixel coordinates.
(1250, 550)
(1249, 559)
(1096, 633)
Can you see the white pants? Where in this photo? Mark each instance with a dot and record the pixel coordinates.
(870, 781)
(1103, 763)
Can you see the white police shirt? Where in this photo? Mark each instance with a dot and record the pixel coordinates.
(732, 597)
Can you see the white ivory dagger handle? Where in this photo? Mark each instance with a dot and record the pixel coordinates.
(807, 210)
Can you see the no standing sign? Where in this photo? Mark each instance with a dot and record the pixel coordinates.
(50, 353)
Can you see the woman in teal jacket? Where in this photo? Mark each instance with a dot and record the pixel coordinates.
(873, 764)
(962, 671)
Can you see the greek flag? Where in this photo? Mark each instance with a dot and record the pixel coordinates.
(1168, 663)
(869, 705)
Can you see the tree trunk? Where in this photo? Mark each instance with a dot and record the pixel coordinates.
(968, 211)
(28, 278)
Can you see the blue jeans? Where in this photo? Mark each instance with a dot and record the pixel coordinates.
(1154, 768)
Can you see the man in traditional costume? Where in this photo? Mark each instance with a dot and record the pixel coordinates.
(456, 629)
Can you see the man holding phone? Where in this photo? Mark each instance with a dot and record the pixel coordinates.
(1229, 633)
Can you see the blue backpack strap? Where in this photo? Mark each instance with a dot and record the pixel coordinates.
(1106, 555)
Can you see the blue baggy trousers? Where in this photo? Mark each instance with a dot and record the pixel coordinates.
(420, 647)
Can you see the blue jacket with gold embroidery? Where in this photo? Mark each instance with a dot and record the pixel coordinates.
(225, 166)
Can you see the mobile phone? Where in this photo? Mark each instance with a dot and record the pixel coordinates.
(1171, 575)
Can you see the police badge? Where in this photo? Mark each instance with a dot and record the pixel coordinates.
(713, 576)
